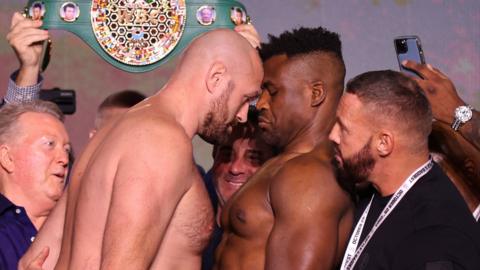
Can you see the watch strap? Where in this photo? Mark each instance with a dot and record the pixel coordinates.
(457, 123)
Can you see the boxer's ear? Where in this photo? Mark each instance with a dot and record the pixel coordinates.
(6, 159)
(318, 93)
(216, 79)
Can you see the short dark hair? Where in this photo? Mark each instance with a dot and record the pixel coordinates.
(247, 130)
(123, 99)
(37, 5)
(69, 5)
(311, 45)
(302, 41)
(397, 97)
(237, 9)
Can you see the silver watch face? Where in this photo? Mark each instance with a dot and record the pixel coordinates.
(463, 113)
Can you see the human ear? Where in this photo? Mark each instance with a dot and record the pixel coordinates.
(385, 143)
(318, 93)
(6, 160)
(216, 77)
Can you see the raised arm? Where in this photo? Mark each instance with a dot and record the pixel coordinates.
(308, 206)
(151, 179)
(26, 39)
(444, 99)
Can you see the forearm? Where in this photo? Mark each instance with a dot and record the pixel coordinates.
(471, 130)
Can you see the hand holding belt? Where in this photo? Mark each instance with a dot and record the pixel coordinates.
(137, 35)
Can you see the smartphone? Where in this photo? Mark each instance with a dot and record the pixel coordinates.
(409, 48)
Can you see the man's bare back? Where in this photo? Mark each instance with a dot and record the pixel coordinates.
(273, 208)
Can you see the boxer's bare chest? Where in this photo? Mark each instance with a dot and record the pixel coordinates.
(249, 212)
(188, 232)
(194, 216)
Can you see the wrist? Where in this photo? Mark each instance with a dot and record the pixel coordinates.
(448, 114)
(462, 115)
(27, 76)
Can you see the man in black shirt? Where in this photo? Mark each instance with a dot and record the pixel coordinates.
(416, 218)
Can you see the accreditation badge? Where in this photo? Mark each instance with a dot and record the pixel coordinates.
(135, 35)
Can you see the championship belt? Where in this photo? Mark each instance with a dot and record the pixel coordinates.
(137, 35)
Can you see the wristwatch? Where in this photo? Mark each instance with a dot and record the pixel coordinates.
(462, 115)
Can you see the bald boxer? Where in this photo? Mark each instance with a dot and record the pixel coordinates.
(136, 200)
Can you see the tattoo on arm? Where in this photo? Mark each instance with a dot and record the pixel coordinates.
(471, 130)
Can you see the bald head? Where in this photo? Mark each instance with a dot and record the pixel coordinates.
(222, 46)
(223, 73)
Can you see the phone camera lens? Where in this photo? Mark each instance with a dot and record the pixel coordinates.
(401, 45)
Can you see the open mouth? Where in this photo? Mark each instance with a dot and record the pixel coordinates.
(61, 176)
(237, 181)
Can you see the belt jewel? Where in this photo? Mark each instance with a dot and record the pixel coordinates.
(137, 35)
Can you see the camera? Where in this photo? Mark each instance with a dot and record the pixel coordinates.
(401, 46)
(65, 99)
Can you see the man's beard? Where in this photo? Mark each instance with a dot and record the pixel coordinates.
(215, 129)
(358, 167)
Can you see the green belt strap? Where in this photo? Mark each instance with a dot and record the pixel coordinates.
(137, 35)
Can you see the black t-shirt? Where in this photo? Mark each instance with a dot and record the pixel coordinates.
(376, 208)
(431, 228)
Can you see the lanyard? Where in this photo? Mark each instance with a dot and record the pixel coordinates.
(476, 213)
(352, 253)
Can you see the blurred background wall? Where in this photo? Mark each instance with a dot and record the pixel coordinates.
(449, 30)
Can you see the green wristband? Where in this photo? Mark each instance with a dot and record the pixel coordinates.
(137, 35)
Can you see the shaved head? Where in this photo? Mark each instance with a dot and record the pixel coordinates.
(226, 72)
(222, 45)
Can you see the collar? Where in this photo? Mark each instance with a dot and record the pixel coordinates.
(5, 204)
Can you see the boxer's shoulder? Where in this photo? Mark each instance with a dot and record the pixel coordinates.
(306, 174)
(156, 128)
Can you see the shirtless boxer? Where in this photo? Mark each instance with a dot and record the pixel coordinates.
(136, 200)
(292, 213)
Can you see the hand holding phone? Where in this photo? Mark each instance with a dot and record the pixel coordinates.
(409, 48)
(439, 90)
